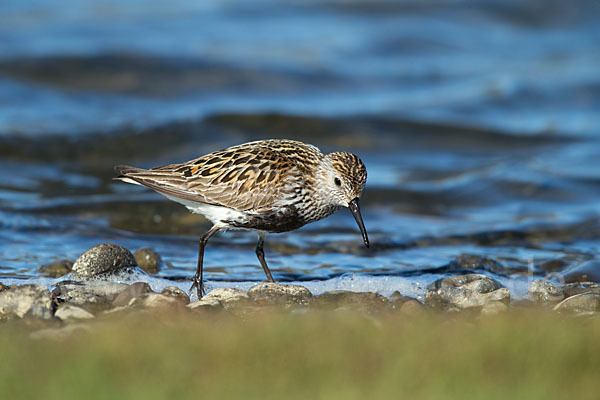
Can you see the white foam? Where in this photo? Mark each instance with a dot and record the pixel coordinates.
(384, 285)
(414, 286)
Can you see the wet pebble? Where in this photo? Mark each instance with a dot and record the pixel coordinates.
(587, 272)
(70, 312)
(26, 300)
(91, 295)
(584, 302)
(277, 293)
(179, 294)
(130, 292)
(155, 301)
(203, 304)
(102, 259)
(148, 260)
(228, 297)
(571, 289)
(543, 291)
(465, 291)
(56, 269)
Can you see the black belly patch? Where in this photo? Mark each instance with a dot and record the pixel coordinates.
(283, 220)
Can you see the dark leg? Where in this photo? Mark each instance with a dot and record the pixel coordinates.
(198, 277)
(260, 253)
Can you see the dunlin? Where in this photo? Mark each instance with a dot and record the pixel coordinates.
(263, 186)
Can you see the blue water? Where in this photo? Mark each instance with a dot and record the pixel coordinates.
(478, 121)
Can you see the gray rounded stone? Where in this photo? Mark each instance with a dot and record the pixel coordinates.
(277, 293)
(30, 300)
(466, 291)
(177, 293)
(102, 259)
(70, 312)
(573, 288)
(156, 301)
(227, 296)
(584, 302)
(476, 282)
(93, 295)
(203, 304)
(545, 292)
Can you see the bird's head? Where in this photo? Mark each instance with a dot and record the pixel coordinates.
(343, 179)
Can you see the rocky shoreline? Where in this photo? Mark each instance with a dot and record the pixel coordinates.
(90, 294)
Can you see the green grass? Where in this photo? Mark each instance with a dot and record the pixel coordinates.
(318, 355)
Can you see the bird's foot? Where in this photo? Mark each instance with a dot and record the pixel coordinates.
(197, 284)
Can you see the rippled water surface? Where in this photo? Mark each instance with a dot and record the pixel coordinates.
(478, 121)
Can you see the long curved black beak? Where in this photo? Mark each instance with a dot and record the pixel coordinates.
(354, 206)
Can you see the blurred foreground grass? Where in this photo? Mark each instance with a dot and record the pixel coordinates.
(328, 355)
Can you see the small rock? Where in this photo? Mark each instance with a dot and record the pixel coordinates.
(56, 269)
(227, 296)
(30, 300)
(545, 292)
(277, 293)
(3, 287)
(67, 311)
(179, 294)
(584, 302)
(102, 259)
(92, 296)
(367, 301)
(587, 272)
(477, 282)
(466, 291)
(148, 260)
(203, 304)
(571, 289)
(155, 300)
(132, 291)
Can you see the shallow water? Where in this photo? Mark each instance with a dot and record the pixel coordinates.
(478, 123)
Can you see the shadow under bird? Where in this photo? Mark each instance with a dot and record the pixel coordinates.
(263, 186)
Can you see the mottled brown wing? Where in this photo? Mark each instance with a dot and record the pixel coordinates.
(243, 178)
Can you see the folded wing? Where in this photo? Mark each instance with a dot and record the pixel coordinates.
(240, 178)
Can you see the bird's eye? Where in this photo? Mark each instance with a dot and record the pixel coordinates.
(337, 182)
